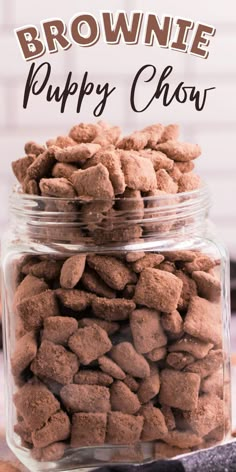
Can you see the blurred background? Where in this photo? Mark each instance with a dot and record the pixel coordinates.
(214, 128)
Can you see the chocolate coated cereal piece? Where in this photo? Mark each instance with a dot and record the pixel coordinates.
(111, 160)
(179, 360)
(64, 142)
(213, 384)
(113, 310)
(129, 360)
(189, 182)
(209, 287)
(158, 159)
(167, 266)
(25, 352)
(154, 426)
(55, 362)
(89, 343)
(172, 323)
(179, 389)
(42, 166)
(203, 320)
(131, 202)
(93, 377)
(165, 451)
(77, 154)
(189, 289)
(29, 287)
(57, 428)
(146, 330)
(20, 167)
(135, 141)
(86, 398)
(207, 366)
(154, 133)
(173, 256)
(34, 148)
(93, 182)
(114, 272)
(183, 439)
(134, 256)
(110, 367)
(92, 282)
(108, 326)
(58, 329)
(149, 387)
(165, 182)
(208, 415)
(194, 346)
(157, 354)
(84, 132)
(51, 453)
(180, 152)
(48, 269)
(108, 137)
(148, 261)
(36, 404)
(171, 132)
(158, 289)
(131, 383)
(34, 310)
(72, 271)
(185, 167)
(63, 170)
(201, 262)
(123, 428)
(123, 399)
(139, 172)
(77, 300)
(57, 187)
(169, 417)
(88, 429)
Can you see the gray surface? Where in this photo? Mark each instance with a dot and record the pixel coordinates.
(218, 459)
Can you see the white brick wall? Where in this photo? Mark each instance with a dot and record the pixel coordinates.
(214, 128)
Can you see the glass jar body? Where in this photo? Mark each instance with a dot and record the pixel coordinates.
(115, 354)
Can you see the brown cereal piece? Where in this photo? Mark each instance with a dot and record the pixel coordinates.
(135, 141)
(111, 368)
(93, 377)
(175, 174)
(182, 439)
(36, 404)
(5, 466)
(179, 360)
(34, 310)
(123, 428)
(134, 256)
(146, 330)
(213, 384)
(57, 187)
(165, 451)
(56, 429)
(72, 271)
(202, 263)
(167, 266)
(123, 399)
(89, 343)
(84, 133)
(123, 234)
(113, 271)
(171, 132)
(158, 289)
(31, 147)
(172, 323)
(77, 154)
(165, 182)
(131, 383)
(207, 366)
(148, 261)
(22, 430)
(25, 352)
(63, 170)
(185, 167)
(112, 310)
(169, 417)
(158, 159)
(180, 152)
(29, 287)
(189, 289)
(132, 203)
(154, 426)
(51, 453)
(208, 415)
(64, 142)
(92, 282)
(88, 429)
(157, 354)
(20, 167)
(30, 186)
(129, 360)
(86, 398)
(42, 166)
(208, 285)
(55, 362)
(27, 263)
(108, 326)
(189, 182)
(128, 291)
(111, 160)
(181, 255)
(154, 133)
(77, 300)
(93, 182)
(48, 269)
(108, 137)
(58, 329)
(179, 389)
(203, 320)
(194, 346)
(139, 172)
(149, 387)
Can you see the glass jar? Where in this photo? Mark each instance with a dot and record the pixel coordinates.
(116, 327)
